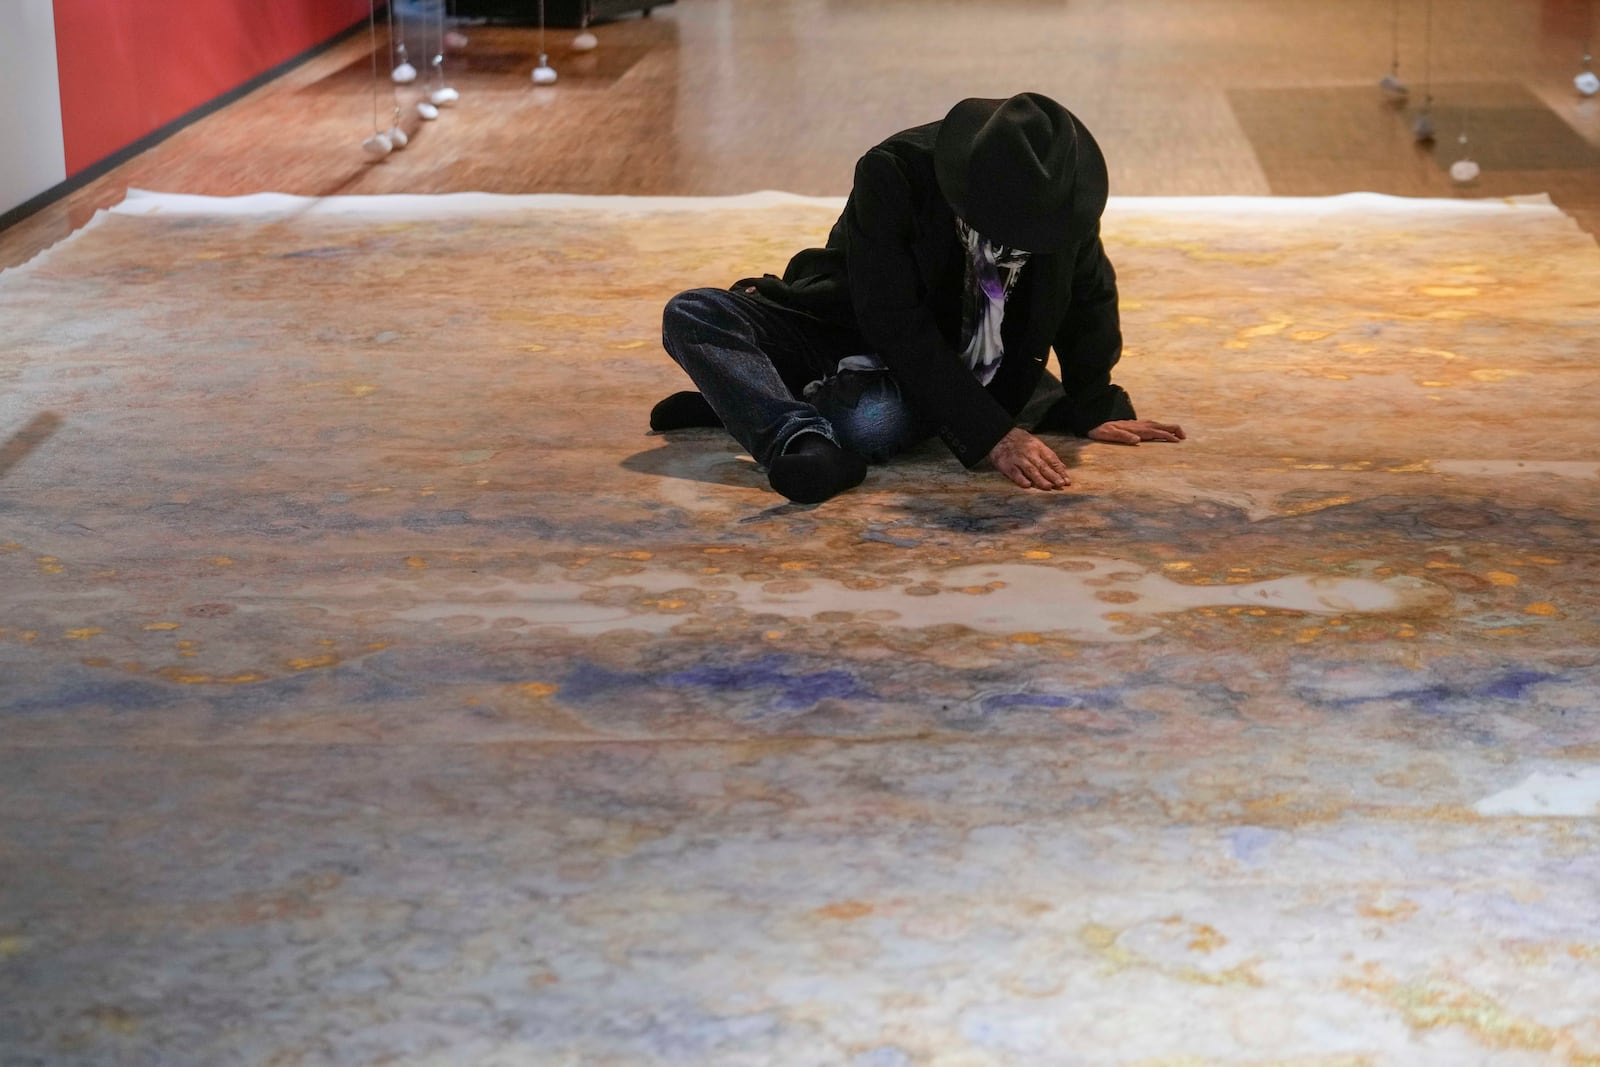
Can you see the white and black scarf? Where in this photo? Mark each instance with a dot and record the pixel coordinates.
(992, 271)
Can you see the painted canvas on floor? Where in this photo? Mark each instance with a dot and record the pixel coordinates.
(377, 689)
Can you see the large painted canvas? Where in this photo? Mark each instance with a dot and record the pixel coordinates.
(377, 690)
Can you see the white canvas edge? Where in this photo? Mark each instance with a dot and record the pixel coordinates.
(144, 202)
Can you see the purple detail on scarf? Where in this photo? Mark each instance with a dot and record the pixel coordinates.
(989, 281)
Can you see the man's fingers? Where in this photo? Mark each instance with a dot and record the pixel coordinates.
(1115, 435)
(1030, 463)
(1036, 477)
(1030, 475)
(1051, 469)
(1132, 431)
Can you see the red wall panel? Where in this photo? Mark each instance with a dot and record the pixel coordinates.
(129, 67)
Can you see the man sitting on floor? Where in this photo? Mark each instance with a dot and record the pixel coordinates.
(967, 249)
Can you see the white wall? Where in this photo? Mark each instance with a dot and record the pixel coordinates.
(31, 155)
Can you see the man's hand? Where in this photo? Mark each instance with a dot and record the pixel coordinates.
(1132, 431)
(1029, 462)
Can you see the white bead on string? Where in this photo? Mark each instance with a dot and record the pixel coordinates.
(1422, 129)
(396, 134)
(1586, 82)
(1465, 169)
(378, 145)
(442, 94)
(544, 73)
(1393, 88)
(404, 73)
(452, 38)
(585, 41)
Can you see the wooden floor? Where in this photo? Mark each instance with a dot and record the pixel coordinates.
(723, 96)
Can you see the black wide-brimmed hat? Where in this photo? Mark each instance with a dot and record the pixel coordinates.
(1023, 172)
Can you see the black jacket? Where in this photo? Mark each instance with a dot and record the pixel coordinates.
(893, 269)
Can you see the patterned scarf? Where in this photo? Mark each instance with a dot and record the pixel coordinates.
(992, 271)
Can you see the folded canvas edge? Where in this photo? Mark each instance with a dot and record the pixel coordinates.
(410, 206)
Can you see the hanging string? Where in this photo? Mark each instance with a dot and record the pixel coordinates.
(543, 74)
(1465, 169)
(372, 36)
(1393, 88)
(394, 88)
(584, 41)
(1422, 128)
(1427, 57)
(378, 145)
(438, 48)
(438, 55)
(1588, 38)
(404, 73)
(1394, 65)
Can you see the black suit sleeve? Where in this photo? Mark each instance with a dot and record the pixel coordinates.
(893, 306)
(1088, 344)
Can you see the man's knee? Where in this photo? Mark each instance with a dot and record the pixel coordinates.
(867, 411)
(692, 308)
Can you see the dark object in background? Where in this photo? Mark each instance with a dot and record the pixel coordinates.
(563, 13)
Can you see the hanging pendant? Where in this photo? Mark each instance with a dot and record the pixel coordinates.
(443, 96)
(543, 74)
(1390, 83)
(1464, 170)
(379, 144)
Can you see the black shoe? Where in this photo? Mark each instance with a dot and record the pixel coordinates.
(814, 469)
(681, 411)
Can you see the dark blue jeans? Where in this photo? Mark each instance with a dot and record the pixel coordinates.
(772, 373)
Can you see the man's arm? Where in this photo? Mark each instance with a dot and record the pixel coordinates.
(891, 304)
(1088, 344)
